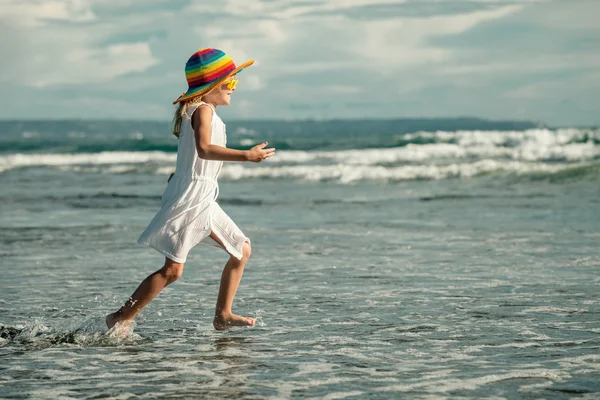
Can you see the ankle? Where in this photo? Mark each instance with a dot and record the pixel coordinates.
(120, 316)
(223, 313)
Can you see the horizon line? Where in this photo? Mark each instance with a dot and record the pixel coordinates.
(307, 119)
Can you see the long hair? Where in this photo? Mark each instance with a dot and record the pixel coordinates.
(180, 112)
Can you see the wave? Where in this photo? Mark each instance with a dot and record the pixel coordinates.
(352, 173)
(531, 145)
(62, 136)
(12, 161)
(316, 137)
(440, 151)
(116, 200)
(540, 153)
(33, 144)
(431, 153)
(506, 138)
(340, 173)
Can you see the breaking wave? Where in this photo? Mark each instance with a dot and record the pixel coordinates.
(354, 173)
(537, 153)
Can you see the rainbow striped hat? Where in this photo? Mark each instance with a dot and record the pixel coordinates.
(207, 68)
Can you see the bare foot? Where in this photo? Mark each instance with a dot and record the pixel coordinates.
(225, 321)
(111, 320)
(118, 328)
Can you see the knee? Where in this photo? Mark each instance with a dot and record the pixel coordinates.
(172, 271)
(246, 250)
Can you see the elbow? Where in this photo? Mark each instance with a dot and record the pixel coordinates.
(202, 152)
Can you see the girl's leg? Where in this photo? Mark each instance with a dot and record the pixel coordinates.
(230, 281)
(147, 290)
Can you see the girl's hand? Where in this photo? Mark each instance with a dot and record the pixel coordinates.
(259, 153)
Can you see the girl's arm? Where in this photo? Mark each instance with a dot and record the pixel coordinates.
(201, 121)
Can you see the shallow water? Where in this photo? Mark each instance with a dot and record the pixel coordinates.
(475, 288)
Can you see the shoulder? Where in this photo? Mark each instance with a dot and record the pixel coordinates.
(202, 115)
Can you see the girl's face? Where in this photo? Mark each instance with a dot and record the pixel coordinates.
(221, 95)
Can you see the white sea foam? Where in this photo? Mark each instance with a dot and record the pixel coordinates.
(105, 158)
(507, 138)
(461, 154)
(351, 173)
(567, 145)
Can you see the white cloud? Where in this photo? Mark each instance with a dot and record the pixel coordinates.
(82, 65)
(34, 13)
(397, 43)
(530, 63)
(72, 52)
(273, 30)
(252, 82)
(276, 29)
(286, 11)
(553, 88)
(322, 52)
(382, 45)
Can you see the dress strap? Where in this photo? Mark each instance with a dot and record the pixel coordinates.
(209, 105)
(190, 111)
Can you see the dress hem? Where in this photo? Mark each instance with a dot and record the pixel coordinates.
(164, 253)
(231, 250)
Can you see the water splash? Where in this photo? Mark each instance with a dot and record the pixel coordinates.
(91, 332)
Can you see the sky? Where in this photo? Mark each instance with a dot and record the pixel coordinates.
(532, 60)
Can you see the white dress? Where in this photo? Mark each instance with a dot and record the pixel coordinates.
(189, 211)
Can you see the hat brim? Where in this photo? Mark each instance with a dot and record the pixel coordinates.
(202, 90)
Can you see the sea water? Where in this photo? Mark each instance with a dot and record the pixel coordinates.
(388, 261)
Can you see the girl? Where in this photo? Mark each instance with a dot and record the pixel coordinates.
(189, 213)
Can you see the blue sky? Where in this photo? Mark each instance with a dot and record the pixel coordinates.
(500, 59)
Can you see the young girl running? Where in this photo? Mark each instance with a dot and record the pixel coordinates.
(189, 213)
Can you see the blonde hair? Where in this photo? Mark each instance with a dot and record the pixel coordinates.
(181, 111)
(183, 106)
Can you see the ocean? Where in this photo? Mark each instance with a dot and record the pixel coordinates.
(414, 258)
